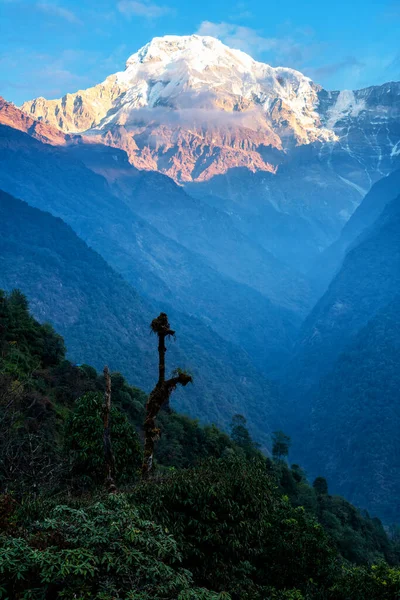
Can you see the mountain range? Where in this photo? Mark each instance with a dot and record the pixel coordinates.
(210, 116)
(256, 208)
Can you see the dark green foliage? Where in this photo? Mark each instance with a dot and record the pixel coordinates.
(357, 537)
(101, 551)
(378, 582)
(320, 485)
(27, 415)
(241, 436)
(185, 443)
(25, 344)
(236, 532)
(280, 445)
(84, 443)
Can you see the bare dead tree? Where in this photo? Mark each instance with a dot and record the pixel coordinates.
(108, 454)
(161, 393)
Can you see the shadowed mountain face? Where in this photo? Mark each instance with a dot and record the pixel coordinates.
(231, 194)
(105, 321)
(197, 226)
(367, 281)
(294, 214)
(342, 383)
(329, 262)
(157, 265)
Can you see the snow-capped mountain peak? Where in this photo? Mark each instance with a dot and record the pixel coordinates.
(204, 49)
(192, 107)
(169, 67)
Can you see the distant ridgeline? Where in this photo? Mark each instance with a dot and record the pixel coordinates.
(217, 520)
(345, 372)
(105, 319)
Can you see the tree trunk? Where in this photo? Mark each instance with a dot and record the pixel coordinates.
(108, 454)
(160, 394)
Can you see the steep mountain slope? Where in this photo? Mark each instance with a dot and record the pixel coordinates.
(367, 123)
(368, 281)
(102, 318)
(382, 192)
(157, 266)
(13, 117)
(191, 222)
(341, 387)
(194, 224)
(105, 321)
(356, 417)
(294, 214)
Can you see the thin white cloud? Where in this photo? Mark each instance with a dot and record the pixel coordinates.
(333, 68)
(58, 11)
(238, 36)
(131, 8)
(292, 50)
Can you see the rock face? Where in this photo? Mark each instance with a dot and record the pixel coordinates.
(193, 108)
(367, 123)
(13, 117)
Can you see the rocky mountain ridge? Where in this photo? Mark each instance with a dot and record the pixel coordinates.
(192, 108)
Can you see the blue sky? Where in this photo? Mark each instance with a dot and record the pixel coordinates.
(49, 48)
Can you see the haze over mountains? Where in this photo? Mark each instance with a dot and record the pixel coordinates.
(259, 210)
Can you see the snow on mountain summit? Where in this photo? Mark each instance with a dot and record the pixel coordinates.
(201, 51)
(173, 65)
(193, 96)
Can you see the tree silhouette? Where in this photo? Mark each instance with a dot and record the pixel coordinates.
(280, 445)
(320, 485)
(161, 393)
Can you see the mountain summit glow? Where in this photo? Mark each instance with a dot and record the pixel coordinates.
(193, 108)
(196, 98)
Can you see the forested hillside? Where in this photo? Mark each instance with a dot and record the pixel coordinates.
(216, 513)
(357, 442)
(103, 319)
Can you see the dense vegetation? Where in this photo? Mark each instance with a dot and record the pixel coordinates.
(364, 388)
(218, 519)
